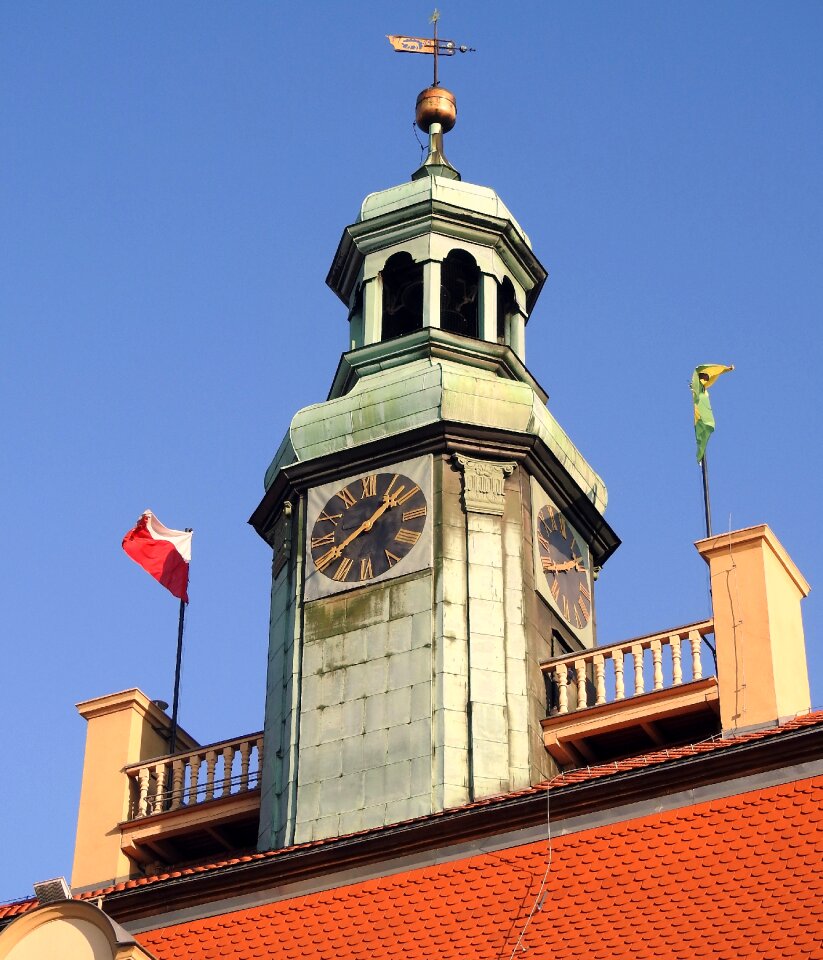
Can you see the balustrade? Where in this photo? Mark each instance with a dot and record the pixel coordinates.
(211, 772)
(588, 674)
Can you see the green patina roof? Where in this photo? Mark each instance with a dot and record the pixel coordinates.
(458, 193)
(423, 391)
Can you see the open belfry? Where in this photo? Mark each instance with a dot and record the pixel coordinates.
(452, 762)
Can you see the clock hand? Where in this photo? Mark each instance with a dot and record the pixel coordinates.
(388, 502)
(573, 564)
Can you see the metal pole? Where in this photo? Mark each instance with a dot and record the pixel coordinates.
(706, 501)
(435, 49)
(175, 704)
(708, 508)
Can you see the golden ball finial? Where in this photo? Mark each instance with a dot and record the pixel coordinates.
(436, 105)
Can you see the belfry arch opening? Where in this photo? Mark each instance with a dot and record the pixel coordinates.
(459, 283)
(506, 308)
(402, 296)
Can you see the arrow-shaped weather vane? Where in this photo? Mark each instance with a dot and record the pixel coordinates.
(432, 45)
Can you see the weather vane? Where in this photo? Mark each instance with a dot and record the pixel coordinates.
(432, 45)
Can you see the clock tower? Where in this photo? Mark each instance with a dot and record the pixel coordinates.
(435, 532)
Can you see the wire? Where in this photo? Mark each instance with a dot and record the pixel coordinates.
(419, 142)
(540, 897)
(739, 664)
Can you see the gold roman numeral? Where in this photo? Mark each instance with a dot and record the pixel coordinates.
(331, 517)
(555, 588)
(322, 562)
(343, 570)
(585, 591)
(562, 526)
(542, 541)
(346, 497)
(365, 569)
(369, 486)
(391, 558)
(584, 610)
(406, 496)
(414, 514)
(322, 541)
(566, 611)
(407, 536)
(552, 525)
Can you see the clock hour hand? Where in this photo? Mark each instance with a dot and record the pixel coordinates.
(388, 501)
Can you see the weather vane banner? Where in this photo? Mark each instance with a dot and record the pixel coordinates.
(422, 45)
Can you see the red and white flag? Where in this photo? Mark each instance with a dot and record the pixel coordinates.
(163, 553)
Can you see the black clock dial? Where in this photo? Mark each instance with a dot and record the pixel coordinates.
(562, 559)
(367, 527)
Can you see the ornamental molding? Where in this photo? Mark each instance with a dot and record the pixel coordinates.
(484, 484)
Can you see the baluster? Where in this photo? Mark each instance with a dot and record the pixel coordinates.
(580, 669)
(637, 656)
(159, 786)
(259, 764)
(228, 759)
(677, 665)
(194, 776)
(561, 677)
(657, 661)
(697, 666)
(143, 795)
(619, 683)
(599, 679)
(176, 784)
(245, 756)
(211, 761)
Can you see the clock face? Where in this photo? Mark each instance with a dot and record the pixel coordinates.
(367, 527)
(563, 560)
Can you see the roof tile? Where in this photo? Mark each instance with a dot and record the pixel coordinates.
(640, 896)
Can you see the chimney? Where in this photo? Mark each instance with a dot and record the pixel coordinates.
(123, 728)
(758, 629)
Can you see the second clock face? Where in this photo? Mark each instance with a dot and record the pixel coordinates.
(564, 565)
(367, 527)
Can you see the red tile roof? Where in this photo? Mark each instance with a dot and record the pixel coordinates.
(731, 878)
(580, 775)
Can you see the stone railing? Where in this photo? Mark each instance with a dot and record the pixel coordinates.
(207, 773)
(590, 678)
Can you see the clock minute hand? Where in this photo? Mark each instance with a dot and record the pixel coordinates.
(573, 564)
(366, 524)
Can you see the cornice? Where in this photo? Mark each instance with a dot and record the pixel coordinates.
(434, 216)
(433, 344)
(445, 437)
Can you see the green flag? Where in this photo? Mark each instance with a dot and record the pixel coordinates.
(702, 378)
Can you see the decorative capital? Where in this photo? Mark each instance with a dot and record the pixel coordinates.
(483, 484)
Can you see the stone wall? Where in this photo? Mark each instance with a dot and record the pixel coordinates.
(365, 721)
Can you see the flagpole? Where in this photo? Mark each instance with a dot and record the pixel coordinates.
(708, 508)
(176, 702)
(706, 501)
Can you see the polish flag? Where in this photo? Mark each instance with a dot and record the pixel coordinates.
(163, 553)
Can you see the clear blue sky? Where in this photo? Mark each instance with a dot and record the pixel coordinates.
(175, 179)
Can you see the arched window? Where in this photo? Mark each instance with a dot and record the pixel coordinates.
(506, 308)
(458, 294)
(402, 296)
